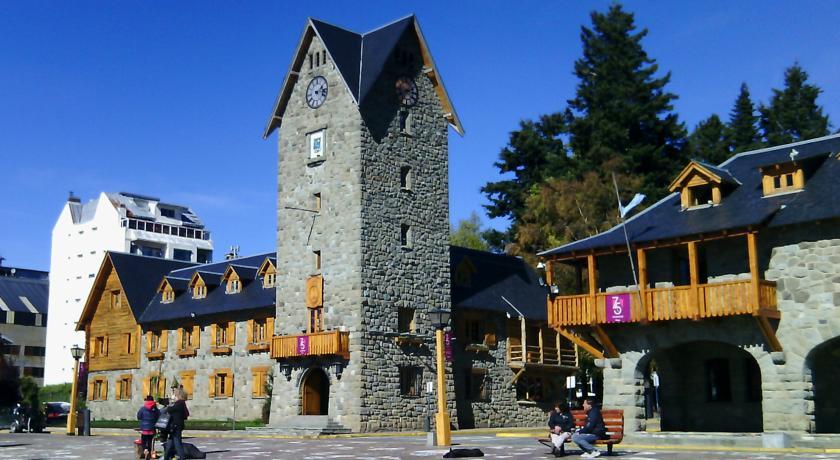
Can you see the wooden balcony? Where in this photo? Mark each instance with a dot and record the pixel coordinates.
(711, 300)
(313, 344)
(541, 356)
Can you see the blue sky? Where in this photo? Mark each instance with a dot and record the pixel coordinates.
(170, 98)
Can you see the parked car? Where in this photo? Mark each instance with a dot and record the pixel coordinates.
(57, 413)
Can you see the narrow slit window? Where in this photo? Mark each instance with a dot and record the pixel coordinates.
(405, 236)
(317, 255)
(405, 121)
(317, 202)
(310, 62)
(324, 57)
(405, 178)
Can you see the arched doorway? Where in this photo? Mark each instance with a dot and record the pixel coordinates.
(315, 393)
(707, 386)
(825, 375)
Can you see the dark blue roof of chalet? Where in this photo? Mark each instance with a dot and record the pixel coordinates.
(724, 174)
(253, 295)
(742, 206)
(482, 280)
(141, 275)
(14, 290)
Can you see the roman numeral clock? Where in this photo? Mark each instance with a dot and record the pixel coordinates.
(316, 92)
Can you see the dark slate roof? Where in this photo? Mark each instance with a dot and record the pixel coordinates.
(744, 206)
(480, 279)
(253, 296)
(725, 175)
(141, 275)
(359, 58)
(36, 291)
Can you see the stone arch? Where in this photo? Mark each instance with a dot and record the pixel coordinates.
(705, 386)
(314, 387)
(821, 364)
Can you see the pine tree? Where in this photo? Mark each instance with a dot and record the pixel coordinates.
(743, 123)
(793, 114)
(468, 233)
(621, 109)
(708, 141)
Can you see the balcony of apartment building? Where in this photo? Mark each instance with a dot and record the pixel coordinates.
(166, 229)
(688, 279)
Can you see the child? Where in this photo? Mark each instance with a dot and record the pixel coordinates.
(561, 422)
(148, 415)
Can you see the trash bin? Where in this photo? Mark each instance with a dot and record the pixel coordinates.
(83, 422)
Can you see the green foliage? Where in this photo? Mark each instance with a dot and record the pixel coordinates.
(793, 114)
(9, 382)
(468, 234)
(29, 392)
(743, 133)
(621, 110)
(708, 141)
(266, 407)
(56, 392)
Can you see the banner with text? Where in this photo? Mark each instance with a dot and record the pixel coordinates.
(618, 308)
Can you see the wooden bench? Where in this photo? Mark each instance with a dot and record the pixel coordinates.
(613, 421)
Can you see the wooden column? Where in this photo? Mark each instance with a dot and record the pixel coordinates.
(542, 347)
(644, 314)
(752, 251)
(549, 280)
(523, 331)
(593, 286)
(692, 267)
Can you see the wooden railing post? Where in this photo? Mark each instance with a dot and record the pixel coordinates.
(524, 338)
(593, 285)
(643, 283)
(752, 251)
(549, 280)
(542, 347)
(692, 267)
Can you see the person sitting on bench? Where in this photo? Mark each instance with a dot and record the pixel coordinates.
(592, 431)
(561, 422)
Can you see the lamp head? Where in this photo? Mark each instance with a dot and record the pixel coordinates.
(439, 318)
(541, 265)
(77, 352)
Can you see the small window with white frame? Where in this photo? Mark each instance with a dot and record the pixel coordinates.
(317, 144)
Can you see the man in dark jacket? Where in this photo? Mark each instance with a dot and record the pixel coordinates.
(592, 431)
(178, 414)
(148, 415)
(561, 423)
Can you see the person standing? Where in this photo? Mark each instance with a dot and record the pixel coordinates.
(592, 431)
(148, 415)
(178, 414)
(561, 422)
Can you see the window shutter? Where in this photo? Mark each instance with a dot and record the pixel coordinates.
(92, 347)
(164, 338)
(269, 328)
(180, 338)
(118, 391)
(147, 386)
(162, 386)
(231, 333)
(211, 387)
(255, 384)
(105, 346)
(196, 337)
(229, 386)
(90, 394)
(250, 331)
(104, 390)
(213, 329)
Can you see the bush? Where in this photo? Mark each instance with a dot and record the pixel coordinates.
(59, 392)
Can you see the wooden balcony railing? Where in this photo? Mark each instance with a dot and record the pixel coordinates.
(546, 356)
(314, 344)
(663, 304)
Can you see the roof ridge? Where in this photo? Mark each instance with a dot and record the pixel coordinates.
(410, 15)
(310, 18)
(778, 147)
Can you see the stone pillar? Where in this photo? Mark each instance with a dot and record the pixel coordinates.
(623, 389)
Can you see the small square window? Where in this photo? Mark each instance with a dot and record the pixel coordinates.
(406, 320)
(317, 143)
(405, 236)
(405, 178)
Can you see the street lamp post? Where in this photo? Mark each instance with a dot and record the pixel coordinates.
(77, 352)
(440, 318)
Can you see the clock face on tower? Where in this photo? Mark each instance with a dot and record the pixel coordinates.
(316, 92)
(406, 91)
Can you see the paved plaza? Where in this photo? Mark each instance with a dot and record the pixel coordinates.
(46, 446)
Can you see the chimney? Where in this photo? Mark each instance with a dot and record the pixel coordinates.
(73, 199)
(233, 253)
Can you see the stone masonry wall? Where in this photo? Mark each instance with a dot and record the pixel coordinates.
(201, 406)
(805, 262)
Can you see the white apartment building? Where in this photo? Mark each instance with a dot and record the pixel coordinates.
(121, 222)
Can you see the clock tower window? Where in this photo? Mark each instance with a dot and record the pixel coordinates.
(405, 122)
(405, 178)
(405, 236)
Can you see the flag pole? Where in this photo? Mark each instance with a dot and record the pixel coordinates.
(627, 241)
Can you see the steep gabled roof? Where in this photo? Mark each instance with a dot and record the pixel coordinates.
(360, 59)
(482, 280)
(139, 277)
(744, 207)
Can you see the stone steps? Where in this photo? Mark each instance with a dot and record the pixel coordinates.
(304, 425)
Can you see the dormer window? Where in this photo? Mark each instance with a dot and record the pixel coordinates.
(782, 178)
(199, 288)
(268, 273)
(701, 185)
(168, 295)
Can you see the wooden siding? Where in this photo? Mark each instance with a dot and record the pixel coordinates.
(113, 326)
(320, 343)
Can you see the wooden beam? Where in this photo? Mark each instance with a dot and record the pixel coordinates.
(516, 376)
(641, 256)
(752, 250)
(692, 268)
(602, 337)
(523, 331)
(769, 333)
(542, 347)
(769, 313)
(581, 343)
(593, 286)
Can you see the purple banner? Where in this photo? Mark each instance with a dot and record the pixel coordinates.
(83, 376)
(447, 346)
(618, 308)
(303, 345)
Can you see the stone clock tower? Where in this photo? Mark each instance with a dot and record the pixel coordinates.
(362, 228)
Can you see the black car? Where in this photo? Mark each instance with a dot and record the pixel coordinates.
(57, 413)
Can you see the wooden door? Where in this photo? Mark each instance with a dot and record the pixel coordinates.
(315, 393)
